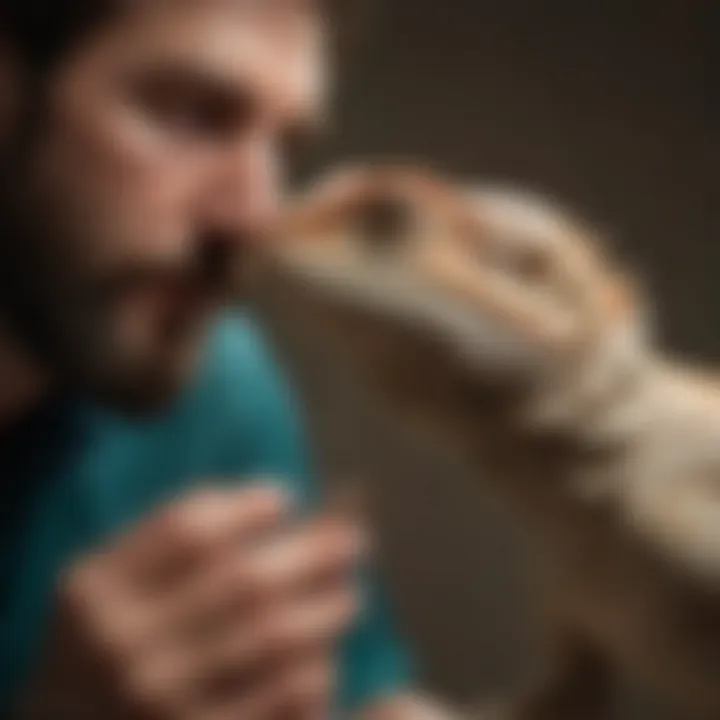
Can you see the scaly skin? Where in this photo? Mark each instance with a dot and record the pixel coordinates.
(499, 323)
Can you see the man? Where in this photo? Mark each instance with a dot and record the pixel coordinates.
(148, 571)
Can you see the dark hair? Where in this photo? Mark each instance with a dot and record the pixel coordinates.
(39, 32)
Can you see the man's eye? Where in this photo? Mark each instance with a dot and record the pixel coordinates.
(193, 115)
(189, 110)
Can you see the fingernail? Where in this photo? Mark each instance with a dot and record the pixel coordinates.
(276, 492)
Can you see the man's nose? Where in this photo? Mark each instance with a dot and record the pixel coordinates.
(243, 198)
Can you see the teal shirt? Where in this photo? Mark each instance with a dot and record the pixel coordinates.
(77, 476)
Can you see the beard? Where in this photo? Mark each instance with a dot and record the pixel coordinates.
(125, 336)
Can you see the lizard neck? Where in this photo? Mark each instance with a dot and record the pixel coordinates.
(583, 416)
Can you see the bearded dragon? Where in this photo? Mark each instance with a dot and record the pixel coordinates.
(498, 322)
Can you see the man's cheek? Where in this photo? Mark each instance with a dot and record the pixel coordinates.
(159, 213)
(125, 199)
(166, 173)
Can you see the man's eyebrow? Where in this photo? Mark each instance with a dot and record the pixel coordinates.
(229, 93)
(234, 88)
(193, 72)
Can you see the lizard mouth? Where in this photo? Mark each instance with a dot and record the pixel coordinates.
(385, 305)
(401, 255)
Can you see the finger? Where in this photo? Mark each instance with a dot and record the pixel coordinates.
(247, 653)
(261, 705)
(315, 621)
(307, 689)
(188, 531)
(299, 692)
(298, 562)
(320, 555)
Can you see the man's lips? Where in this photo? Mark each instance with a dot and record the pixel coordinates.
(166, 310)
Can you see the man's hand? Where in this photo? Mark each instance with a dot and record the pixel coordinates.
(218, 609)
(418, 707)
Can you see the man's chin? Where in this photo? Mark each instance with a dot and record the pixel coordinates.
(149, 388)
(140, 406)
(141, 397)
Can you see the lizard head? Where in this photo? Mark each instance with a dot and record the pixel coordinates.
(439, 292)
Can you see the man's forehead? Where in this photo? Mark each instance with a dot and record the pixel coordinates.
(274, 48)
(286, 19)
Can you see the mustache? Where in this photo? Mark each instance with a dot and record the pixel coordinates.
(218, 267)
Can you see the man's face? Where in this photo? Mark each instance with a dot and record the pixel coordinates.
(152, 164)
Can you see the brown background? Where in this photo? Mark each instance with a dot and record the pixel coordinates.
(606, 104)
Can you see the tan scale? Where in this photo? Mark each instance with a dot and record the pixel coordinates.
(497, 322)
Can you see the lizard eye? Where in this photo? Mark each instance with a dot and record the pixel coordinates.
(383, 223)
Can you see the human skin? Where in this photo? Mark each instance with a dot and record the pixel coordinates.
(130, 207)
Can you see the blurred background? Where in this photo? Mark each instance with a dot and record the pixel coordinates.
(608, 105)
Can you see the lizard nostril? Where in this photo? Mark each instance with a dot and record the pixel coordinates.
(383, 222)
